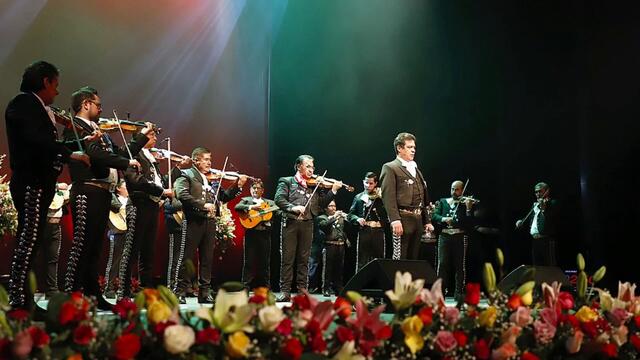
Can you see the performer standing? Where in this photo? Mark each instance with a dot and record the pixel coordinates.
(200, 208)
(542, 226)
(367, 211)
(146, 187)
(331, 223)
(53, 236)
(257, 241)
(455, 215)
(91, 193)
(299, 203)
(36, 157)
(404, 194)
(116, 234)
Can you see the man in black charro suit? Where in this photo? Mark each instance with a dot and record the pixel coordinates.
(36, 157)
(91, 193)
(200, 208)
(368, 214)
(405, 197)
(292, 194)
(542, 226)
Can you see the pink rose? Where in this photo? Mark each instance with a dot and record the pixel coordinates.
(511, 335)
(543, 331)
(574, 342)
(451, 315)
(550, 316)
(618, 316)
(22, 344)
(504, 352)
(521, 317)
(445, 341)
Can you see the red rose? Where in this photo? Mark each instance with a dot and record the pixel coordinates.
(481, 349)
(343, 307)
(590, 329)
(529, 356)
(19, 314)
(126, 346)
(5, 348)
(124, 307)
(257, 299)
(636, 319)
(313, 327)
(635, 341)
(67, 313)
(291, 349)
(83, 334)
(461, 338)
(570, 319)
(384, 333)
(472, 296)
(285, 327)
(39, 336)
(208, 335)
(301, 302)
(426, 315)
(317, 343)
(344, 334)
(565, 300)
(610, 350)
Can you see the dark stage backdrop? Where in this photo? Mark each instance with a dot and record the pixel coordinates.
(199, 69)
(503, 94)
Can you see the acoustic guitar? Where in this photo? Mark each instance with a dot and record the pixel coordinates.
(118, 220)
(252, 218)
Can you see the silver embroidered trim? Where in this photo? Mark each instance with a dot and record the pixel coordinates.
(183, 241)
(126, 250)
(79, 226)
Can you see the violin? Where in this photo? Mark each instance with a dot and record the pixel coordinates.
(327, 183)
(467, 198)
(215, 174)
(162, 154)
(65, 119)
(126, 125)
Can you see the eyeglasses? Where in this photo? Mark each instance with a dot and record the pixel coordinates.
(97, 104)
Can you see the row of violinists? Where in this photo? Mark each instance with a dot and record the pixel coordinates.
(126, 185)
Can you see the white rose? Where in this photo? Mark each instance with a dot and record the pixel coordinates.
(178, 338)
(270, 317)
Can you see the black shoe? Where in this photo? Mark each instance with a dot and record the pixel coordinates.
(284, 297)
(205, 300)
(103, 304)
(182, 299)
(326, 293)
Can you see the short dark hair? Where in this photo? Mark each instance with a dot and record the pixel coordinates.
(81, 95)
(257, 183)
(401, 139)
(199, 151)
(300, 159)
(542, 185)
(34, 75)
(371, 175)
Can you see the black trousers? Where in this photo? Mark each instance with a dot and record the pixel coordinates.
(142, 249)
(177, 245)
(90, 210)
(333, 267)
(199, 236)
(295, 246)
(429, 253)
(32, 204)
(52, 236)
(370, 245)
(257, 257)
(116, 246)
(452, 254)
(315, 267)
(408, 245)
(543, 251)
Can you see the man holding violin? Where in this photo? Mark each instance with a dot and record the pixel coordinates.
(36, 157)
(455, 215)
(299, 200)
(368, 214)
(405, 197)
(542, 226)
(257, 241)
(91, 191)
(200, 202)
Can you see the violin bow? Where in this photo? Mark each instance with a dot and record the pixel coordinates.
(546, 191)
(124, 139)
(75, 131)
(455, 210)
(310, 197)
(224, 168)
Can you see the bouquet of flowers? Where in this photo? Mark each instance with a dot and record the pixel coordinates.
(8, 213)
(224, 229)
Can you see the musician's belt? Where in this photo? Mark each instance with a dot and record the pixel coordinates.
(411, 210)
(453, 231)
(103, 185)
(334, 242)
(373, 224)
(53, 220)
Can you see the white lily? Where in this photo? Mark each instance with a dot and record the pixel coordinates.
(405, 291)
(232, 311)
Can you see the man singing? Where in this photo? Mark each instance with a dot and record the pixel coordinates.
(404, 194)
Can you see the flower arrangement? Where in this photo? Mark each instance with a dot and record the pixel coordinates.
(224, 229)
(8, 213)
(532, 322)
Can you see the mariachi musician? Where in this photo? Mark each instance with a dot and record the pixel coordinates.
(118, 230)
(91, 192)
(257, 239)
